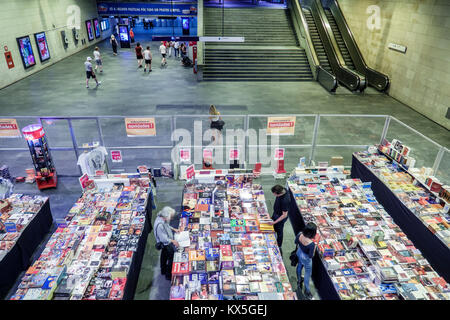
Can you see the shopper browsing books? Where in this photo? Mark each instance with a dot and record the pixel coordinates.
(164, 235)
(280, 212)
(305, 252)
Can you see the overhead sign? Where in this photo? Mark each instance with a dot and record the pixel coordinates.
(9, 128)
(139, 9)
(281, 125)
(116, 156)
(140, 127)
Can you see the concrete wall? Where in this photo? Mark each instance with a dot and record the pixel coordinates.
(420, 78)
(26, 17)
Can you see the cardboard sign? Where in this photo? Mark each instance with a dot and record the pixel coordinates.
(281, 125)
(140, 127)
(190, 172)
(9, 128)
(234, 154)
(207, 154)
(279, 154)
(116, 156)
(185, 155)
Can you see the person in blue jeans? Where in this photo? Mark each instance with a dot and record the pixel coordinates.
(305, 252)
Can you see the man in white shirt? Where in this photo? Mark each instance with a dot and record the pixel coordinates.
(98, 60)
(176, 47)
(148, 59)
(163, 50)
(89, 72)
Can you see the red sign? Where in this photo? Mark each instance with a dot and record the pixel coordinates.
(190, 172)
(99, 172)
(9, 59)
(279, 154)
(33, 132)
(185, 155)
(207, 154)
(84, 180)
(234, 154)
(116, 156)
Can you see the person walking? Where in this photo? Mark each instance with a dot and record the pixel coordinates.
(280, 212)
(139, 55)
(98, 59)
(114, 44)
(164, 236)
(163, 50)
(148, 59)
(170, 47)
(131, 35)
(89, 72)
(216, 122)
(305, 253)
(176, 48)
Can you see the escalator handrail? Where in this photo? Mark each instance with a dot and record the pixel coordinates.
(375, 78)
(344, 75)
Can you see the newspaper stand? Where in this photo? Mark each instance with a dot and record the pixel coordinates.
(40, 154)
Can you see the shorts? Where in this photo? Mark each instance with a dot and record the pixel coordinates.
(89, 74)
(163, 55)
(98, 62)
(148, 61)
(139, 57)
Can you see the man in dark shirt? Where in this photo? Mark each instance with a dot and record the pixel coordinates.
(280, 212)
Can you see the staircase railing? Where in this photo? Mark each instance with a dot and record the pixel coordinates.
(326, 79)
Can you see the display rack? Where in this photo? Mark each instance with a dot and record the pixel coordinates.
(40, 154)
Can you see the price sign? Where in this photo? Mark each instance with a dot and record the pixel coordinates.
(190, 172)
(207, 154)
(116, 156)
(185, 155)
(234, 154)
(279, 154)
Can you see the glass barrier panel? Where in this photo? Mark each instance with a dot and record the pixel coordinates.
(326, 153)
(350, 130)
(17, 142)
(57, 132)
(423, 150)
(85, 131)
(132, 158)
(443, 170)
(17, 162)
(65, 163)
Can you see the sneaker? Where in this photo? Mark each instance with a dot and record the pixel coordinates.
(87, 87)
(308, 295)
(145, 70)
(99, 83)
(300, 284)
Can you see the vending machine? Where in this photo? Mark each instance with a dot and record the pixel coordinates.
(124, 36)
(40, 154)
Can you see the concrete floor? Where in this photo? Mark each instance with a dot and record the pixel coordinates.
(125, 90)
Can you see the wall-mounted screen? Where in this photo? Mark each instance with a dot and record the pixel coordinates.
(90, 33)
(26, 51)
(96, 28)
(41, 42)
(104, 25)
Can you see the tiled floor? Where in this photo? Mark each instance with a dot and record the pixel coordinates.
(125, 90)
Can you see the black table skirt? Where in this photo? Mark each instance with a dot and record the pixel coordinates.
(433, 249)
(18, 258)
(135, 267)
(320, 277)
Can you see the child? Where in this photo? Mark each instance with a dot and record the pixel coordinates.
(89, 72)
(98, 59)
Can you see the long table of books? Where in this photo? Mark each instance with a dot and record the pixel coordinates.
(227, 248)
(364, 254)
(24, 222)
(97, 253)
(423, 218)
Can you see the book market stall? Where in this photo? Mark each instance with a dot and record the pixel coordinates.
(97, 253)
(421, 211)
(361, 254)
(24, 222)
(227, 248)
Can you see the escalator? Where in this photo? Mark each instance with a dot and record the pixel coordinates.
(318, 45)
(348, 48)
(339, 40)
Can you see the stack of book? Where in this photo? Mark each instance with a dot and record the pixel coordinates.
(414, 195)
(365, 253)
(16, 212)
(232, 251)
(89, 256)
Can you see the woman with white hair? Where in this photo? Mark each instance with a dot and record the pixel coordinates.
(114, 44)
(164, 235)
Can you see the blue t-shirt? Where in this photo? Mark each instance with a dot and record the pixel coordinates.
(308, 250)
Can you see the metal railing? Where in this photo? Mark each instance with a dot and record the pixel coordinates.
(318, 137)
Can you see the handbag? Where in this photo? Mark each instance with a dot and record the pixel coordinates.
(293, 257)
(158, 245)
